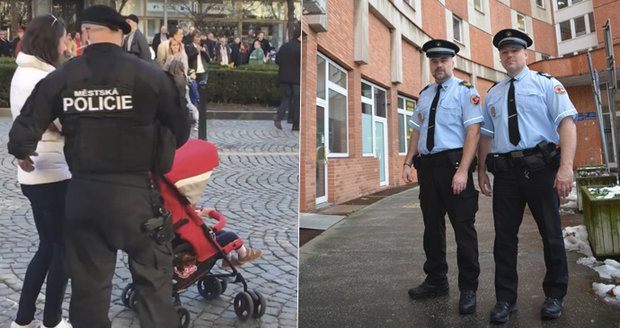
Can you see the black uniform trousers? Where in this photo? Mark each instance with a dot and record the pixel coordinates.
(105, 213)
(513, 189)
(437, 199)
(290, 102)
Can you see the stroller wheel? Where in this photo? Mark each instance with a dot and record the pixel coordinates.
(244, 306)
(133, 300)
(184, 317)
(210, 288)
(260, 303)
(126, 295)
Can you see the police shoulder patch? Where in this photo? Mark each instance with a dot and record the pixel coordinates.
(545, 75)
(466, 84)
(426, 87)
(494, 84)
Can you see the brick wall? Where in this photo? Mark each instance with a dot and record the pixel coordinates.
(411, 85)
(545, 38)
(378, 68)
(603, 10)
(433, 19)
(501, 18)
(459, 8)
(482, 46)
(588, 135)
(522, 6)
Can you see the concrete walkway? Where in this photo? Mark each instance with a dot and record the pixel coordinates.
(357, 273)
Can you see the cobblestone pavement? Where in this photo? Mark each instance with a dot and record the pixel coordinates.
(255, 187)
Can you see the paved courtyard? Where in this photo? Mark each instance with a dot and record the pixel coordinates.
(255, 187)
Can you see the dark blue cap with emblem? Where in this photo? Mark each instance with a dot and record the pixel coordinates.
(440, 48)
(511, 38)
(105, 16)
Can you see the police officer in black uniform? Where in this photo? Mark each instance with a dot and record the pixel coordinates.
(446, 128)
(526, 116)
(121, 119)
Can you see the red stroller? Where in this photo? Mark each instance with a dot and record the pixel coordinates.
(180, 188)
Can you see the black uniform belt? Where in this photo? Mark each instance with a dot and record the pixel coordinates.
(450, 157)
(536, 158)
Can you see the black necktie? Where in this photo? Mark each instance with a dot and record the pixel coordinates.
(430, 132)
(513, 120)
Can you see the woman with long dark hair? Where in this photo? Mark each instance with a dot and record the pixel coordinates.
(43, 181)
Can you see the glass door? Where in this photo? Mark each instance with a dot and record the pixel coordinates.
(380, 150)
(321, 158)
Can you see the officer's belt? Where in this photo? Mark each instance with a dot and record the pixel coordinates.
(450, 157)
(534, 158)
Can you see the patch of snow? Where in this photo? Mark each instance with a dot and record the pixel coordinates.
(576, 239)
(609, 293)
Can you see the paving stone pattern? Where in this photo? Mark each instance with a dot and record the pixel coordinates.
(255, 187)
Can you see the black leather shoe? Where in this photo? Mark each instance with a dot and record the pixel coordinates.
(467, 302)
(551, 309)
(501, 312)
(426, 290)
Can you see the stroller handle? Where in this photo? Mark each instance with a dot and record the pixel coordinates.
(219, 217)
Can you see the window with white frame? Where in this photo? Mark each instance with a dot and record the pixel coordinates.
(478, 5)
(332, 96)
(406, 107)
(577, 27)
(521, 22)
(374, 105)
(580, 26)
(566, 3)
(540, 3)
(457, 28)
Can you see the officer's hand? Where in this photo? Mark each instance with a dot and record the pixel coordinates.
(52, 127)
(564, 181)
(407, 173)
(485, 183)
(26, 164)
(459, 181)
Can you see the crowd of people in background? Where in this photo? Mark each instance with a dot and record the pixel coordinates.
(221, 50)
(226, 51)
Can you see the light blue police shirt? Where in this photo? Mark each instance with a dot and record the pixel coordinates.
(458, 108)
(542, 103)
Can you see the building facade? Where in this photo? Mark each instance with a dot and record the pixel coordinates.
(575, 26)
(572, 69)
(363, 69)
(227, 18)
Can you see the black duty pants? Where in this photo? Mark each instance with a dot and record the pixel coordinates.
(290, 102)
(437, 199)
(513, 189)
(105, 213)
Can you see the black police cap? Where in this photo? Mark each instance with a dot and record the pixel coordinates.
(440, 48)
(513, 38)
(133, 18)
(105, 16)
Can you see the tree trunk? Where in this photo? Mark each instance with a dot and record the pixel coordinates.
(292, 20)
(14, 17)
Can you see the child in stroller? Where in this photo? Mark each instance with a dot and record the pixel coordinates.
(198, 246)
(185, 260)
